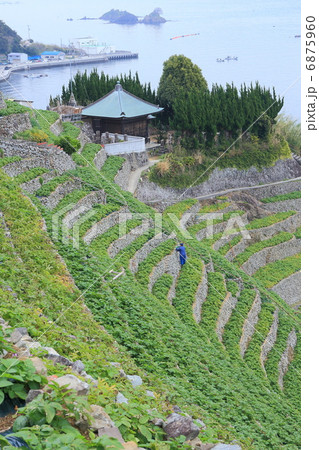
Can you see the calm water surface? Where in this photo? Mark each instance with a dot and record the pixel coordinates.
(261, 34)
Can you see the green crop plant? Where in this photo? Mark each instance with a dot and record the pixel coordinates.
(232, 287)
(152, 259)
(269, 220)
(100, 244)
(162, 286)
(4, 160)
(178, 209)
(282, 197)
(100, 211)
(279, 238)
(28, 175)
(186, 287)
(17, 377)
(47, 189)
(234, 327)
(214, 207)
(211, 307)
(274, 272)
(265, 320)
(271, 365)
(205, 223)
(298, 233)
(70, 130)
(225, 248)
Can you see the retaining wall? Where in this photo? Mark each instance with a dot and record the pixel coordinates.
(14, 123)
(271, 254)
(47, 156)
(223, 179)
(289, 289)
(61, 191)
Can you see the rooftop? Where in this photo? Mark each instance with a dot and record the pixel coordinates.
(120, 104)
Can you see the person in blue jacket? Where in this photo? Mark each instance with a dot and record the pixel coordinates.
(182, 254)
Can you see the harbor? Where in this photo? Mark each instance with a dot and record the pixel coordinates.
(6, 71)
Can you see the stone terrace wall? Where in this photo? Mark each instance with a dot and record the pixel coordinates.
(9, 125)
(223, 179)
(53, 157)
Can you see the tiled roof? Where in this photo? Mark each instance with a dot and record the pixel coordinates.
(120, 103)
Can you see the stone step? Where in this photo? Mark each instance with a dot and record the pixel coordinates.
(271, 254)
(286, 357)
(249, 325)
(103, 225)
(270, 340)
(82, 207)
(60, 192)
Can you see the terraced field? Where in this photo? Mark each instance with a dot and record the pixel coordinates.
(223, 332)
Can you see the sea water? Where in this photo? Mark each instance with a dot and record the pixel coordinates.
(261, 34)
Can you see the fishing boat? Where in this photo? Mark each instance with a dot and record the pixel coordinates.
(35, 75)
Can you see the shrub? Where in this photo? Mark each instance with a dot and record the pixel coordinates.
(68, 144)
(35, 135)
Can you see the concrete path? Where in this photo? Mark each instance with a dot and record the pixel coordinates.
(136, 174)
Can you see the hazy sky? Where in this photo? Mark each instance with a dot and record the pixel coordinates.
(19, 14)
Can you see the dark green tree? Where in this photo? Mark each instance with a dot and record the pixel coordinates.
(179, 73)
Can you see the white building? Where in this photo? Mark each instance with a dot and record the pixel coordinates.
(53, 55)
(91, 46)
(15, 58)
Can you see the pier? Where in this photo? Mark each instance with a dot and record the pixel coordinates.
(5, 74)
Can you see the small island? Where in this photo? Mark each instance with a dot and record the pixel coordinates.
(126, 18)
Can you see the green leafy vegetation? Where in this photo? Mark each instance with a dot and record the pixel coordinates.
(156, 255)
(298, 233)
(182, 361)
(162, 286)
(279, 238)
(8, 160)
(70, 130)
(269, 220)
(225, 248)
(13, 107)
(17, 377)
(274, 272)
(49, 187)
(214, 207)
(234, 327)
(282, 197)
(206, 223)
(30, 174)
(211, 307)
(232, 287)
